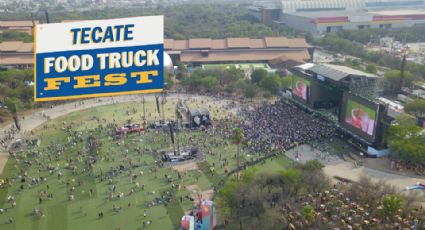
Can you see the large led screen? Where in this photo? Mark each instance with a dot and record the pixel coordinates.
(360, 117)
(300, 87)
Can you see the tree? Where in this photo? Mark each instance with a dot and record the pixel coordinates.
(406, 120)
(210, 83)
(291, 180)
(392, 204)
(237, 139)
(258, 75)
(313, 165)
(15, 36)
(250, 91)
(366, 191)
(181, 71)
(308, 213)
(224, 198)
(406, 143)
(416, 107)
(168, 79)
(271, 83)
(309, 37)
(371, 68)
(13, 105)
(286, 82)
(392, 80)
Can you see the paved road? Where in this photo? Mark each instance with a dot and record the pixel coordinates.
(335, 166)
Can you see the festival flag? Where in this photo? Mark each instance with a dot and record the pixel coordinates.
(207, 210)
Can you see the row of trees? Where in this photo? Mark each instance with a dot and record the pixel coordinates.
(366, 36)
(186, 20)
(16, 84)
(299, 197)
(210, 80)
(391, 81)
(335, 43)
(15, 92)
(406, 139)
(416, 108)
(15, 36)
(407, 143)
(272, 82)
(234, 81)
(249, 195)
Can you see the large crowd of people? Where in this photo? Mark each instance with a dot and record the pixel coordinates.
(67, 162)
(7, 137)
(268, 128)
(281, 126)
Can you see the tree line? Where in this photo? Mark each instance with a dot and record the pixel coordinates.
(335, 43)
(415, 34)
(233, 81)
(16, 92)
(302, 197)
(182, 21)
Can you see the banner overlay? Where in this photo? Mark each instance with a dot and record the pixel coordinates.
(114, 61)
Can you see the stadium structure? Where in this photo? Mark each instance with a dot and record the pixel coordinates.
(345, 97)
(321, 16)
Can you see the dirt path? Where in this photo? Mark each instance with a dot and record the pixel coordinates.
(3, 161)
(186, 166)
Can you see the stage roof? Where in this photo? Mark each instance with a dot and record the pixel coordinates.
(337, 73)
(197, 112)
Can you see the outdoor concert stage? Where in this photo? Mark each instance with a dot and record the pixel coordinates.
(346, 97)
(181, 155)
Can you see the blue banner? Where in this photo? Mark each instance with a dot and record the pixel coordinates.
(99, 72)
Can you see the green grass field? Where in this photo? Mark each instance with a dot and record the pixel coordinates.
(82, 212)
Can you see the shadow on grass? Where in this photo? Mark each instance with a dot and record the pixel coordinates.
(175, 212)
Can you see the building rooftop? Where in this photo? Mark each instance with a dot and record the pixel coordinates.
(16, 46)
(399, 12)
(17, 60)
(199, 111)
(235, 43)
(357, 13)
(337, 13)
(300, 56)
(17, 23)
(337, 73)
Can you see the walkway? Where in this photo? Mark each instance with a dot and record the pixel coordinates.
(335, 166)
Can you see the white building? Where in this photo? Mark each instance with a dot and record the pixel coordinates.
(320, 16)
